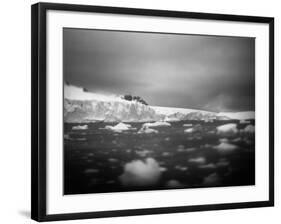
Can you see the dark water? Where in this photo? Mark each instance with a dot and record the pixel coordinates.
(99, 160)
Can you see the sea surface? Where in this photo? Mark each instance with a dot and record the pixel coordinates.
(99, 160)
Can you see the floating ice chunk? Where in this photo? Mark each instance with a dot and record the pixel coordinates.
(248, 141)
(187, 125)
(208, 166)
(249, 129)
(139, 173)
(67, 137)
(80, 127)
(208, 120)
(189, 130)
(156, 124)
(223, 140)
(212, 180)
(113, 160)
(146, 130)
(200, 160)
(181, 168)
(166, 154)
(181, 148)
(227, 129)
(244, 122)
(205, 146)
(163, 169)
(196, 128)
(119, 127)
(174, 183)
(167, 139)
(237, 139)
(190, 149)
(226, 147)
(143, 153)
(222, 163)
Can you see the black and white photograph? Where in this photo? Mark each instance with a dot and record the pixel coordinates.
(155, 111)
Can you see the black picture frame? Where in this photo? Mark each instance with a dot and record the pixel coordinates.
(39, 107)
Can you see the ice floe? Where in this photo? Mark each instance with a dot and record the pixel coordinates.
(187, 125)
(113, 160)
(227, 129)
(146, 130)
(244, 122)
(163, 169)
(196, 128)
(189, 130)
(222, 162)
(249, 129)
(166, 154)
(143, 153)
(181, 148)
(226, 147)
(208, 166)
(80, 127)
(141, 173)
(223, 140)
(119, 127)
(212, 179)
(181, 168)
(67, 137)
(199, 160)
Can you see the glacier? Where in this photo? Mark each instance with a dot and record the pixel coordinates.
(82, 106)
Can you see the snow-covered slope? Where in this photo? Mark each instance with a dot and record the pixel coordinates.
(172, 110)
(82, 106)
(244, 115)
(176, 114)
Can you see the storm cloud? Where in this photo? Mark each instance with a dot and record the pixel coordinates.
(214, 73)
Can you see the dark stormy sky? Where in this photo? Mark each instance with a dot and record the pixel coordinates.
(189, 71)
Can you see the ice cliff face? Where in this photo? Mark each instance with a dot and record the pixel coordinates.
(81, 106)
(111, 111)
(181, 115)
